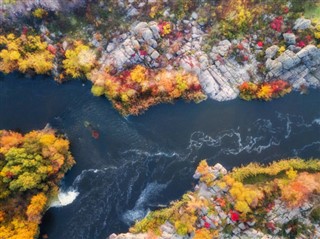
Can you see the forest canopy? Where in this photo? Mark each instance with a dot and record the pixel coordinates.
(31, 167)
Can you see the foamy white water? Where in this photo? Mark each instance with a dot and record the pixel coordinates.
(316, 121)
(65, 198)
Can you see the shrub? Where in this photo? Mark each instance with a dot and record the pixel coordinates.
(264, 91)
(315, 214)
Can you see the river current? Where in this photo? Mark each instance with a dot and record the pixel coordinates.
(141, 163)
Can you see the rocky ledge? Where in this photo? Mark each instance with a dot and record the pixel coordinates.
(219, 71)
(300, 68)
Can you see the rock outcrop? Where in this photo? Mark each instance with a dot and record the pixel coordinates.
(219, 71)
(126, 50)
(300, 69)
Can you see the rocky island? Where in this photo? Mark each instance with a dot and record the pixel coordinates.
(280, 200)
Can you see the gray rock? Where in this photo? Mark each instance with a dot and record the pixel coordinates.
(147, 34)
(133, 12)
(155, 55)
(140, 26)
(194, 15)
(153, 43)
(111, 47)
(169, 56)
(289, 38)
(155, 31)
(302, 24)
(289, 62)
(242, 226)
(223, 47)
(135, 44)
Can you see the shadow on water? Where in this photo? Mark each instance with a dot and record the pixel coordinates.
(140, 162)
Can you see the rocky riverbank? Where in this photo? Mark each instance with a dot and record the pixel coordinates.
(277, 201)
(207, 41)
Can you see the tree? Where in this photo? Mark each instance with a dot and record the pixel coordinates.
(36, 207)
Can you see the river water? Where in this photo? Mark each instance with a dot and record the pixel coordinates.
(139, 163)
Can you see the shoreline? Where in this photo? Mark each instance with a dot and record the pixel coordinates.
(145, 53)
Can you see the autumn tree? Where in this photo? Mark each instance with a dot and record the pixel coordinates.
(25, 53)
(79, 60)
(31, 167)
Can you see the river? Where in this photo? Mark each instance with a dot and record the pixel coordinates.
(139, 163)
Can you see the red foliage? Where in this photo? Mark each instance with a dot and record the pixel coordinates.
(301, 44)
(260, 44)
(244, 86)
(125, 74)
(276, 24)
(9, 175)
(270, 226)
(24, 30)
(52, 49)
(207, 225)
(278, 86)
(245, 58)
(196, 87)
(269, 207)
(286, 10)
(234, 215)
(143, 53)
(308, 39)
(240, 47)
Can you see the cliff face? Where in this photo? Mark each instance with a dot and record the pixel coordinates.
(275, 201)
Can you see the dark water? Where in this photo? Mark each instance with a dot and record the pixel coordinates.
(140, 162)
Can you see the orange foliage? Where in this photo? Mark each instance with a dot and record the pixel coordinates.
(32, 167)
(299, 190)
(265, 91)
(133, 91)
(9, 139)
(203, 233)
(36, 207)
(19, 229)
